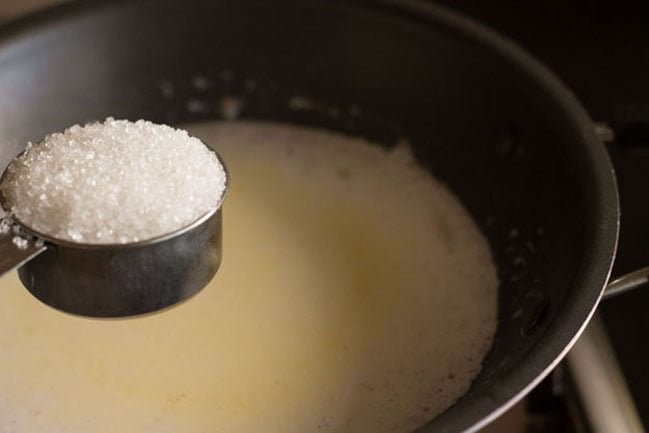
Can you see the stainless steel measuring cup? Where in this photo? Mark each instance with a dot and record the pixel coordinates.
(116, 280)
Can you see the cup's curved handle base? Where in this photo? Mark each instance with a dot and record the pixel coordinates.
(627, 282)
(16, 250)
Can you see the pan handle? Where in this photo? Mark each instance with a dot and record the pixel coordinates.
(627, 282)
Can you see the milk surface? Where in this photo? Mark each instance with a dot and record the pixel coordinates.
(355, 295)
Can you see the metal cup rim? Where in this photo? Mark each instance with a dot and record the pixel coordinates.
(128, 245)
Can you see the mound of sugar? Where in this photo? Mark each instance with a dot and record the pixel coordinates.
(113, 182)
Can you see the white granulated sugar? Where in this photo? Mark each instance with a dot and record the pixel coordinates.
(5, 226)
(113, 182)
(20, 242)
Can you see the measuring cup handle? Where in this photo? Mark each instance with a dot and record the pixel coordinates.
(13, 255)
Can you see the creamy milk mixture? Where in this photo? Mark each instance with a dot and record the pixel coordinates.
(355, 295)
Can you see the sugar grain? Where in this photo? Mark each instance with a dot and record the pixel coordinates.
(113, 182)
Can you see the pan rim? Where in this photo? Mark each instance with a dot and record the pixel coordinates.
(600, 244)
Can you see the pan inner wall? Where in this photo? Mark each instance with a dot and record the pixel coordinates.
(469, 115)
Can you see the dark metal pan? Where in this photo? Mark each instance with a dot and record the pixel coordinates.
(486, 118)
